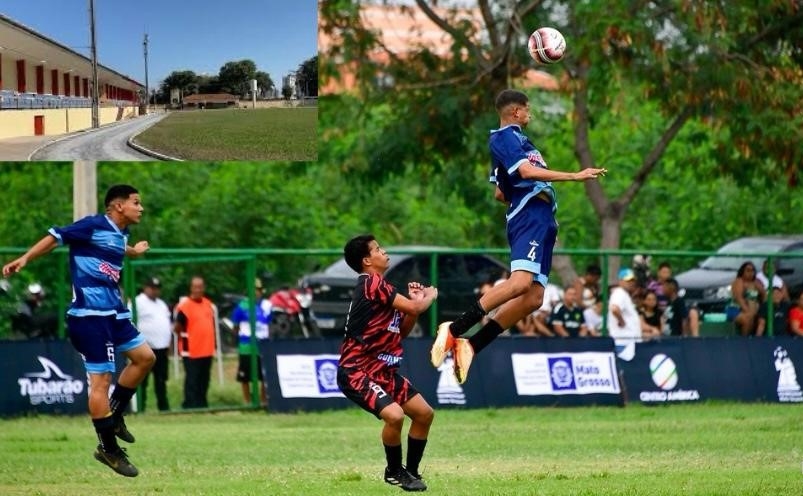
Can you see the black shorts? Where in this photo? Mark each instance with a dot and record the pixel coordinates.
(374, 392)
(244, 369)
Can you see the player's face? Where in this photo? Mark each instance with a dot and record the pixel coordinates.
(521, 114)
(131, 208)
(377, 257)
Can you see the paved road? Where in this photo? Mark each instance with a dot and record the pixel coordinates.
(106, 143)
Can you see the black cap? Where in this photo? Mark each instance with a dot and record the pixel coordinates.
(153, 282)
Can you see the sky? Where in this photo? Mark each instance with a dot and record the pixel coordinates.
(196, 35)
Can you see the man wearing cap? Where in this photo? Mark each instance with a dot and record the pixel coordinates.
(624, 324)
(153, 322)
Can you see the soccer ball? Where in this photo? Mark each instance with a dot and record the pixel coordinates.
(546, 45)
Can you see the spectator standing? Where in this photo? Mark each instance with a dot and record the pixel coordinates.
(624, 324)
(651, 317)
(154, 322)
(796, 317)
(242, 325)
(680, 320)
(195, 327)
(781, 309)
(588, 286)
(748, 293)
(567, 318)
(29, 319)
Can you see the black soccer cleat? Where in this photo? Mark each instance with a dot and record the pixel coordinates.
(405, 480)
(117, 461)
(121, 431)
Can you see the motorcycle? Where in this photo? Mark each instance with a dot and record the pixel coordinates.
(291, 313)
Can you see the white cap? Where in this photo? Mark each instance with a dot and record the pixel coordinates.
(34, 288)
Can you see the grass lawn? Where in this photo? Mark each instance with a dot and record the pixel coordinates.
(703, 449)
(236, 134)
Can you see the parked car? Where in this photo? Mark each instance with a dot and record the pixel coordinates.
(709, 285)
(459, 274)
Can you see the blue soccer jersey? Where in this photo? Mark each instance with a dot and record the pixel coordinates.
(510, 148)
(97, 248)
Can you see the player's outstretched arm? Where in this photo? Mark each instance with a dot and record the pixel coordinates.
(421, 298)
(529, 171)
(42, 247)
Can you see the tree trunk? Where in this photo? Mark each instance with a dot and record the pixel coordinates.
(611, 223)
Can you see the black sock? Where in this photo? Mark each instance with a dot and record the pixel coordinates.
(415, 450)
(393, 454)
(104, 427)
(120, 399)
(484, 336)
(467, 319)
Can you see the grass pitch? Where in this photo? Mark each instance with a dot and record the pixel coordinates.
(705, 449)
(237, 134)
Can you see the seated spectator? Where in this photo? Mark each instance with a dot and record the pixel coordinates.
(593, 317)
(656, 285)
(679, 319)
(567, 317)
(748, 293)
(776, 279)
(780, 309)
(651, 318)
(796, 317)
(540, 318)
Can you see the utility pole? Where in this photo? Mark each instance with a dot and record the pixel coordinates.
(147, 92)
(95, 89)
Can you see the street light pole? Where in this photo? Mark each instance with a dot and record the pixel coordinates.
(95, 89)
(147, 93)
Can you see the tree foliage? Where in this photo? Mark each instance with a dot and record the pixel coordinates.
(728, 70)
(307, 75)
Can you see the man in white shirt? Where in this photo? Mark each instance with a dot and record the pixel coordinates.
(154, 323)
(624, 325)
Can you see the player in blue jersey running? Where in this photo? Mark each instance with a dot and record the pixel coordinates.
(523, 182)
(98, 321)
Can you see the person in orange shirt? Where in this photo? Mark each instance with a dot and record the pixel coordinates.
(195, 327)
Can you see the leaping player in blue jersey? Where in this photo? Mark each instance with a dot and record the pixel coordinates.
(98, 321)
(523, 182)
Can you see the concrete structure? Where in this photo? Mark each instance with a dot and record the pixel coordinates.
(290, 80)
(46, 87)
(211, 100)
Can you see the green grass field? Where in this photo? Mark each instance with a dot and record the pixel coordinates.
(708, 449)
(237, 134)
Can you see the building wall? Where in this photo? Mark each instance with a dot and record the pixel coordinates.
(20, 123)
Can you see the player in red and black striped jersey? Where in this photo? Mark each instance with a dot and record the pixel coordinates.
(368, 374)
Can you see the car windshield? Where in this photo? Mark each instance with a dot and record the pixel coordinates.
(340, 269)
(743, 246)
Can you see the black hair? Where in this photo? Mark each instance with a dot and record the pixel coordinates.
(356, 249)
(594, 270)
(742, 268)
(510, 97)
(119, 192)
(664, 264)
(673, 282)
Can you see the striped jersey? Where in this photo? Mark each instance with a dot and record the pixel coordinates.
(510, 148)
(97, 248)
(373, 340)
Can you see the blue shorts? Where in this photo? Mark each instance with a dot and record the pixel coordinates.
(98, 338)
(531, 234)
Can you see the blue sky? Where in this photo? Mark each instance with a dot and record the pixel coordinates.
(196, 35)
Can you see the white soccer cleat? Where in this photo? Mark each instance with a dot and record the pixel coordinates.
(463, 354)
(443, 343)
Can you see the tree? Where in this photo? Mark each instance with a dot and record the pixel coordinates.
(264, 83)
(735, 68)
(287, 91)
(235, 77)
(186, 81)
(208, 84)
(307, 76)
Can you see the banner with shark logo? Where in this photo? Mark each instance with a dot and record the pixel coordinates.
(41, 376)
